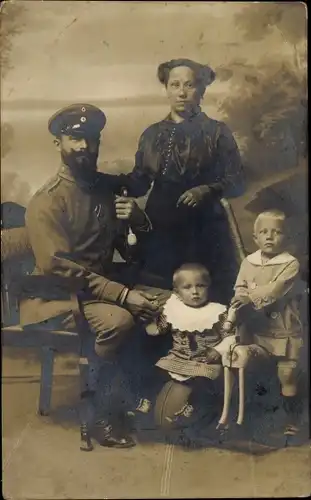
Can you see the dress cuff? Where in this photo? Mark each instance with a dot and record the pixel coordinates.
(217, 188)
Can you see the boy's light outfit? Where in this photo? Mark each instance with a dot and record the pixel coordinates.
(274, 287)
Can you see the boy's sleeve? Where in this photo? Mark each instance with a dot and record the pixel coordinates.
(286, 284)
(240, 287)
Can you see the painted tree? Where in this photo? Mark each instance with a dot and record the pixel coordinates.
(269, 106)
(14, 189)
(10, 26)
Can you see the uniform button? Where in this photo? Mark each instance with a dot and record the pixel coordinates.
(274, 315)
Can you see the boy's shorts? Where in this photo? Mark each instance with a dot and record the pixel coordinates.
(288, 347)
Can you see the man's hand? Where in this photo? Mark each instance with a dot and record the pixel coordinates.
(127, 209)
(142, 304)
(193, 197)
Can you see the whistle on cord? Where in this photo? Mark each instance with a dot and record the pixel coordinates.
(131, 237)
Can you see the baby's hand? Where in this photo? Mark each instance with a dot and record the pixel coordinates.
(212, 356)
(240, 301)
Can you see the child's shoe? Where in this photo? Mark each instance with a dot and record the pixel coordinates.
(144, 405)
(182, 417)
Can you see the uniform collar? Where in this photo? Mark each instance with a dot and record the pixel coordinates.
(65, 172)
(282, 258)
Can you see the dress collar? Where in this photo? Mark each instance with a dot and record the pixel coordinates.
(282, 258)
(186, 318)
(194, 116)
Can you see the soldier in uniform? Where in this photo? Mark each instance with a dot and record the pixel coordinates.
(73, 223)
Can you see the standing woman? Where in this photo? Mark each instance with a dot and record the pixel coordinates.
(192, 161)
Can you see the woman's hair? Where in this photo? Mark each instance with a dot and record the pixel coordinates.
(203, 73)
(191, 267)
(272, 214)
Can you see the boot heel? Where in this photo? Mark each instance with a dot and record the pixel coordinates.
(86, 442)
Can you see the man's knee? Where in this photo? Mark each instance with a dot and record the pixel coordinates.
(111, 325)
(124, 321)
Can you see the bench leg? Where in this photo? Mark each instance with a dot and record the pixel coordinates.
(87, 407)
(46, 383)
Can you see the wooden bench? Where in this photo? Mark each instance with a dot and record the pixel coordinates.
(15, 247)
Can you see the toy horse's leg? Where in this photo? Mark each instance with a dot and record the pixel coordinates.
(228, 380)
(241, 396)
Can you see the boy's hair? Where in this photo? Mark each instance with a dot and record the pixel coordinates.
(191, 267)
(273, 214)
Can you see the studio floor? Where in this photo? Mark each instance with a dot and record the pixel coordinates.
(41, 456)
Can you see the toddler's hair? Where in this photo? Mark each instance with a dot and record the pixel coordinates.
(273, 214)
(191, 267)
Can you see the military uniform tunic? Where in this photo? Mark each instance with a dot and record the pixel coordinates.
(72, 229)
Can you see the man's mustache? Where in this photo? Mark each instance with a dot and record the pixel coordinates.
(82, 156)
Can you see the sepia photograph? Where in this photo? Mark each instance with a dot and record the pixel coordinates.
(154, 250)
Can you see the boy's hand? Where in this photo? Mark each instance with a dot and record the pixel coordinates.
(227, 326)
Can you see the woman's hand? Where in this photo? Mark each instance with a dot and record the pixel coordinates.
(194, 197)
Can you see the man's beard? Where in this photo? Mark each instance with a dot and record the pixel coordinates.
(82, 165)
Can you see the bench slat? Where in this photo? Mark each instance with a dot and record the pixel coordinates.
(60, 340)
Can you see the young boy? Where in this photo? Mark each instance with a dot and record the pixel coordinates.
(195, 324)
(265, 305)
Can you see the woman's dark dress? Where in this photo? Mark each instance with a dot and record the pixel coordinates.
(176, 157)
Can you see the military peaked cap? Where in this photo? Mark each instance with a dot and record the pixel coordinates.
(81, 120)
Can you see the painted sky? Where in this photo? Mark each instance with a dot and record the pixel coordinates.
(109, 50)
(107, 53)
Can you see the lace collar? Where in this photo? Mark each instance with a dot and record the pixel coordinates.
(183, 317)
